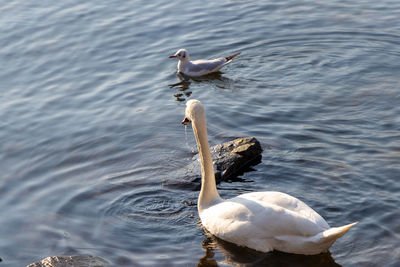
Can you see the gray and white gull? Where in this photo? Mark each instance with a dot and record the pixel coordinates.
(202, 66)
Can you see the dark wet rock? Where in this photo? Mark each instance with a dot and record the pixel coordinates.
(234, 157)
(230, 159)
(70, 261)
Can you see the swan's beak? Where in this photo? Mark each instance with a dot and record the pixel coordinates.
(172, 56)
(185, 121)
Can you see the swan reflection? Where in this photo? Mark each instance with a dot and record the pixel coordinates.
(219, 252)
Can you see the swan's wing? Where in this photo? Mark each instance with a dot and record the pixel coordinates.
(262, 215)
(287, 202)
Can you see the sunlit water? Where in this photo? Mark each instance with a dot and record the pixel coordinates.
(90, 126)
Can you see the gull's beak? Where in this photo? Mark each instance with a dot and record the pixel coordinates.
(172, 56)
(185, 121)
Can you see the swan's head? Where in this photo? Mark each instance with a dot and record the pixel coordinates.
(182, 55)
(194, 109)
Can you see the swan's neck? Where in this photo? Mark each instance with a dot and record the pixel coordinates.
(208, 192)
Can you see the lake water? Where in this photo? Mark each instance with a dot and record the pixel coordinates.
(91, 135)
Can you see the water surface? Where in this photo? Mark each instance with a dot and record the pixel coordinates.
(90, 126)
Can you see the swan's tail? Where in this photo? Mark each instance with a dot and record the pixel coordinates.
(323, 241)
(229, 58)
(330, 235)
(314, 244)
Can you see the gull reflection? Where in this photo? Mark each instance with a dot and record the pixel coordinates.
(216, 79)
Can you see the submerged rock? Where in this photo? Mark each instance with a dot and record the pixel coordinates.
(70, 261)
(230, 159)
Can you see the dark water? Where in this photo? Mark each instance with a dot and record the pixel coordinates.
(90, 128)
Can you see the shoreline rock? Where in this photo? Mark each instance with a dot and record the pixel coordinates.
(71, 261)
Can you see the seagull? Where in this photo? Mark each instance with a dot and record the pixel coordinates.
(199, 67)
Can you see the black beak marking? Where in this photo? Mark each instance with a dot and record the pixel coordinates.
(185, 121)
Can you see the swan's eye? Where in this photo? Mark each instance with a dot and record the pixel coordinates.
(183, 55)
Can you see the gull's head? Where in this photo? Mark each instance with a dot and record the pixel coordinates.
(181, 54)
(194, 108)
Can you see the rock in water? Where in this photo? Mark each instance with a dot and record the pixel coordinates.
(230, 159)
(71, 261)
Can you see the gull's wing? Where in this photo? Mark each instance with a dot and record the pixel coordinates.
(201, 67)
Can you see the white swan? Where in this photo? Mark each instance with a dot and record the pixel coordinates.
(263, 221)
(199, 67)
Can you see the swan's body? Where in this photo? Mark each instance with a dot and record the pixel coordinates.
(200, 67)
(263, 221)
